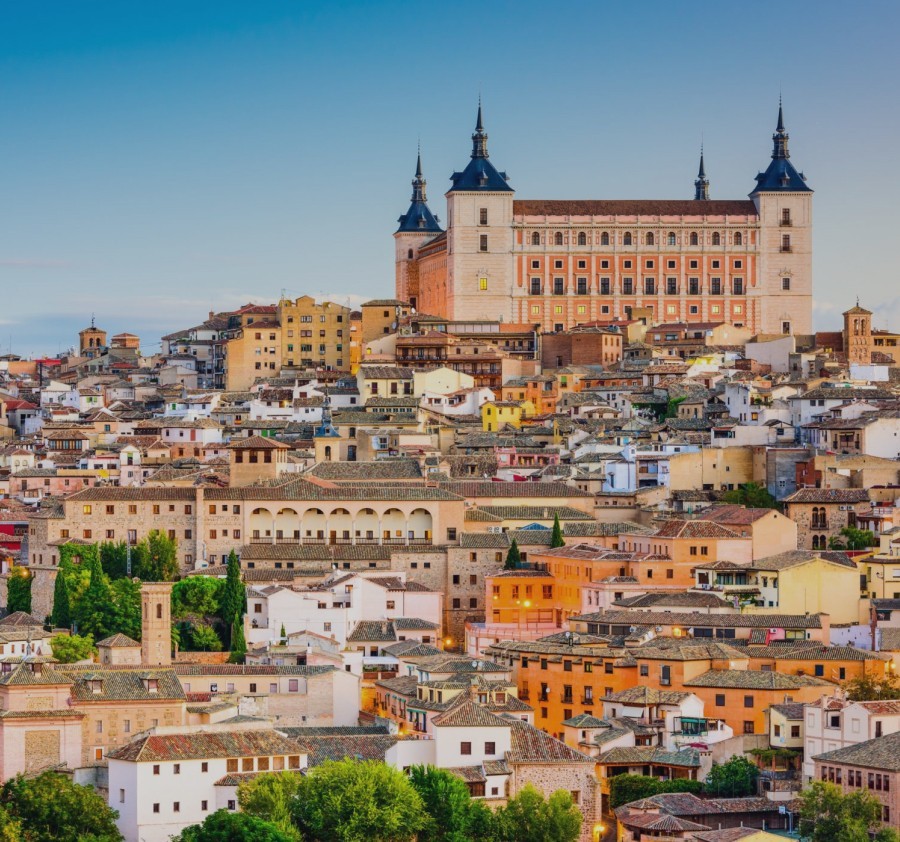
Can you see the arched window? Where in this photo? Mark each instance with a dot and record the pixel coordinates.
(695, 240)
(557, 238)
(626, 240)
(535, 239)
(717, 239)
(738, 238)
(582, 238)
(409, 255)
(604, 239)
(815, 542)
(649, 240)
(670, 239)
(158, 610)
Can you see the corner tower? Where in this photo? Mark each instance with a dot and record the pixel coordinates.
(784, 273)
(417, 226)
(480, 237)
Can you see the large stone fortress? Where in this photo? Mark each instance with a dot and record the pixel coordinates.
(747, 262)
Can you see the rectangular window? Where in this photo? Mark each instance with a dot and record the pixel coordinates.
(490, 748)
(582, 286)
(482, 282)
(785, 284)
(465, 748)
(627, 286)
(604, 286)
(694, 286)
(649, 286)
(535, 286)
(482, 243)
(720, 700)
(558, 286)
(482, 216)
(671, 286)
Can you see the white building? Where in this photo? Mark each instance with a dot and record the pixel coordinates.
(833, 723)
(167, 780)
(338, 607)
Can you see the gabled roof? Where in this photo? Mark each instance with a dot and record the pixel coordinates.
(198, 746)
(468, 714)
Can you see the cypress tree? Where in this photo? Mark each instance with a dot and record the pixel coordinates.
(231, 606)
(62, 609)
(513, 557)
(238, 643)
(556, 540)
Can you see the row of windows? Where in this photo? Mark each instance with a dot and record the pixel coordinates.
(627, 286)
(629, 239)
(133, 509)
(649, 263)
(308, 319)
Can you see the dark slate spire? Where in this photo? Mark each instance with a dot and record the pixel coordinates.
(780, 138)
(326, 428)
(781, 175)
(701, 185)
(480, 138)
(419, 216)
(480, 174)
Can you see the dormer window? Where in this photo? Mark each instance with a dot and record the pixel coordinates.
(96, 685)
(151, 685)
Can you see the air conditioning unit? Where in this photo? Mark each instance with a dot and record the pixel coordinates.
(495, 530)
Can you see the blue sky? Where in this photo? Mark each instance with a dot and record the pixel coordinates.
(162, 159)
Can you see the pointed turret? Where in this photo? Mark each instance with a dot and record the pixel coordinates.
(480, 174)
(419, 216)
(701, 185)
(781, 175)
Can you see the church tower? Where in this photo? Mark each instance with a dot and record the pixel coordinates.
(156, 624)
(858, 335)
(417, 226)
(91, 341)
(480, 272)
(701, 185)
(784, 275)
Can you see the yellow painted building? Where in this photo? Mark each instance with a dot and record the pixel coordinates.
(314, 335)
(495, 415)
(254, 351)
(803, 582)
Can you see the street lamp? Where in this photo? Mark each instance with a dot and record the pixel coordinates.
(599, 830)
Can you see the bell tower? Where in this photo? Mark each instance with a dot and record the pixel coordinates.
(156, 624)
(858, 335)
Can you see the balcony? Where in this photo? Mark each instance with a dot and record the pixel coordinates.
(786, 223)
(786, 249)
(566, 700)
(588, 700)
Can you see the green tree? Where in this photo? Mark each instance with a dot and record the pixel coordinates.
(283, 634)
(203, 638)
(10, 828)
(67, 649)
(223, 826)
(827, 815)
(351, 801)
(156, 559)
(61, 617)
(854, 539)
(231, 604)
(238, 643)
(513, 557)
(95, 612)
(114, 559)
(623, 789)
(873, 688)
(126, 614)
(530, 818)
(734, 778)
(53, 809)
(197, 596)
(753, 495)
(452, 814)
(270, 797)
(556, 539)
(18, 589)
